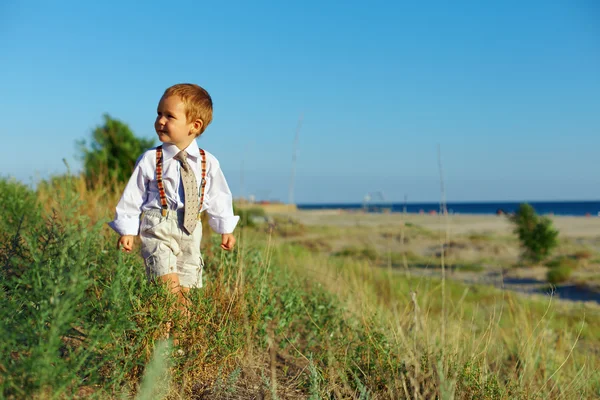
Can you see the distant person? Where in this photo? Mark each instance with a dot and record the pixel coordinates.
(169, 188)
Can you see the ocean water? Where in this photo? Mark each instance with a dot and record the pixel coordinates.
(574, 208)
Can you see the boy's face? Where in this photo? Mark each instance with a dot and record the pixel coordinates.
(171, 123)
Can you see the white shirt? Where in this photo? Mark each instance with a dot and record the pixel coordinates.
(141, 192)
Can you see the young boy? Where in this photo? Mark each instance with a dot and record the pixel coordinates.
(169, 187)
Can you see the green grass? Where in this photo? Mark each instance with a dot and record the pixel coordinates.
(279, 320)
(559, 274)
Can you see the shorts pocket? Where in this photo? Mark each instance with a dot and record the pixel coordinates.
(157, 265)
(151, 270)
(151, 222)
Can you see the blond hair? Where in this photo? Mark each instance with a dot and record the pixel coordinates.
(198, 103)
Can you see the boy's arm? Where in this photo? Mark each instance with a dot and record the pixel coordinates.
(129, 208)
(219, 206)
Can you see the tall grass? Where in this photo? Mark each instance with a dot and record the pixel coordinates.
(274, 320)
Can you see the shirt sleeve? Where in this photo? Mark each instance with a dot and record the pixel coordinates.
(219, 202)
(129, 208)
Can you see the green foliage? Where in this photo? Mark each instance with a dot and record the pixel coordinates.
(473, 384)
(248, 216)
(537, 236)
(19, 205)
(559, 274)
(112, 154)
(67, 306)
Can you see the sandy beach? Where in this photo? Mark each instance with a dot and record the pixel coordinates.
(572, 227)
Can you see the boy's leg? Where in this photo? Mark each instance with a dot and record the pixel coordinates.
(181, 293)
(189, 271)
(183, 302)
(159, 250)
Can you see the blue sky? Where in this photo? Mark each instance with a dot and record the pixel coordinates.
(510, 91)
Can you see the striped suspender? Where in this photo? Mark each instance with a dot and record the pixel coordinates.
(159, 181)
(161, 186)
(203, 154)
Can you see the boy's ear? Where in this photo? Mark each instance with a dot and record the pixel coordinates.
(197, 125)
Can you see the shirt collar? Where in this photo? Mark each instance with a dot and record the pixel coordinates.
(170, 150)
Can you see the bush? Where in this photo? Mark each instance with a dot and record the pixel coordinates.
(559, 274)
(19, 205)
(537, 236)
(113, 152)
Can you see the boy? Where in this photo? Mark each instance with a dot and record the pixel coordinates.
(169, 187)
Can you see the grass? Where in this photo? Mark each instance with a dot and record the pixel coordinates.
(559, 274)
(275, 319)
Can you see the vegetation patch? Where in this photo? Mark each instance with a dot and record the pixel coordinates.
(563, 261)
(285, 227)
(559, 274)
(365, 253)
(277, 320)
(536, 234)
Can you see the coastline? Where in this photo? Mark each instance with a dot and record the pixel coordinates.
(566, 208)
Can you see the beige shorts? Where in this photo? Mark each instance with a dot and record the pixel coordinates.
(168, 249)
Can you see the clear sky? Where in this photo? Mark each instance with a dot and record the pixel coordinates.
(509, 90)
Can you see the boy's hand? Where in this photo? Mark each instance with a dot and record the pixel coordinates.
(227, 241)
(126, 241)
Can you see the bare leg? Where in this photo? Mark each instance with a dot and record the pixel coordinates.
(183, 301)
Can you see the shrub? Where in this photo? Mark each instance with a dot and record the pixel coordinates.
(537, 236)
(19, 205)
(558, 274)
(113, 152)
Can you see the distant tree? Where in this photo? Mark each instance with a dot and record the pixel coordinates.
(112, 153)
(537, 235)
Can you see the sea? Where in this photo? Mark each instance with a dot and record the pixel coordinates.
(572, 208)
